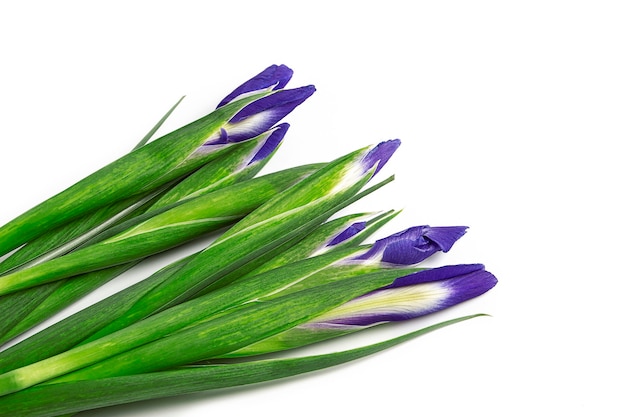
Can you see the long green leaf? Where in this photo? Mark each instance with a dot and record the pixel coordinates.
(57, 238)
(166, 230)
(71, 397)
(236, 328)
(200, 309)
(72, 330)
(144, 169)
(27, 308)
(241, 327)
(279, 220)
(157, 126)
(314, 242)
(48, 299)
(106, 316)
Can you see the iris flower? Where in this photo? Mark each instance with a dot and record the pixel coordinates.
(284, 274)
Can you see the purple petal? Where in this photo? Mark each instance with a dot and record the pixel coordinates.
(444, 237)
(436, 274)
(429, 297)
(283, 100)
(467, 287)
(263, 113)
(350, 231)
(415, 244)
(274, 75)
(380, 154)
(271, 143)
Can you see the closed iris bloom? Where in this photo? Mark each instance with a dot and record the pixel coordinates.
(411, 296)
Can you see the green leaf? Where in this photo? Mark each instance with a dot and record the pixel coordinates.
(25, 309)
(156, 127)
(302, 246)
(144, 169)
(306, 204)
(72, 397)
(215, 335)
(106, 316)
(74, 329)
(55, 296)
(163, 231)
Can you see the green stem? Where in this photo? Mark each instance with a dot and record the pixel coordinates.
(72, 397)
(164, 231)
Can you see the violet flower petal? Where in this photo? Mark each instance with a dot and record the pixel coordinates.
(260, 115)
(445, 236)
(282, 102)
(380, 154)
(275, 76)
(436, 274)
(350, 231)
(414, 244)
(271, 143)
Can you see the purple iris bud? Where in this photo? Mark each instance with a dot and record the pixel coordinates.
(271, 143)
(414, 244)
(275, 76)
(403, 302)
(380, 154)
(346, 234)
(262, 114)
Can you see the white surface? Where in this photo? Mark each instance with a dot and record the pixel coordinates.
(510, 113)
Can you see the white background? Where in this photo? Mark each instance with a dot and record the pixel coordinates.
(510, 113)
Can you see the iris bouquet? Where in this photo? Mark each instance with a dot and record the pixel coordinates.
(287, 269)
